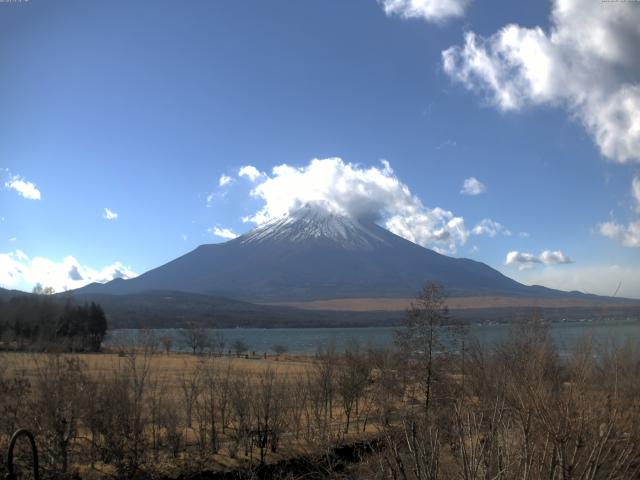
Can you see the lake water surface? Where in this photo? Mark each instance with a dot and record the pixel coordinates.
(307, 340)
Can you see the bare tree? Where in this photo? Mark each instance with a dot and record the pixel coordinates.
(419, 337)
(122, 419)
(167, 343)
(240, 403)
(280, 349)
(352, 379)
(15, 389)
(196, 338)
(207, 405)
(239, 346)
(267, 404)
(59, 386)
(190, 385)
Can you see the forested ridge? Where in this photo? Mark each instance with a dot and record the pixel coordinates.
(41, 322)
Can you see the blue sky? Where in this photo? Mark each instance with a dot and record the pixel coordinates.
(141, 107)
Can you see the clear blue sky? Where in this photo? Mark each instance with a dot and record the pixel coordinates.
(140, 107)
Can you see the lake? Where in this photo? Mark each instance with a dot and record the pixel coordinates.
(306, 340)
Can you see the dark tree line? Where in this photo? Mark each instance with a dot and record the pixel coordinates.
(41, 322)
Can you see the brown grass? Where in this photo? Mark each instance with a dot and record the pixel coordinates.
(514, 411)
(172, 366)
(455, 303)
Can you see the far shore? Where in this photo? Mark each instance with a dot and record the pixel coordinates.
(460, 303)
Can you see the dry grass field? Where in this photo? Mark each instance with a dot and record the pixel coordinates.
(174, 413)
(514, 411)
(456, 303)
(172, 366)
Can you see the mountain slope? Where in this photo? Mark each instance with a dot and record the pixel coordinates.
(313, 255)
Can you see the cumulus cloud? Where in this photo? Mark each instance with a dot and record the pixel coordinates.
(109, 215)
(628, 235)
(430, 10)
(224, 180)
(490, 228)
(373, 193)
(437, 228)
(473, 186)
(18, 270)
(556, 257)
(587, 63)
(224, 233)
(249, 171)
(525, 261)
(522, 260)
(24, 188)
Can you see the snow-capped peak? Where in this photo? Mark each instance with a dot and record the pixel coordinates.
(315, 223)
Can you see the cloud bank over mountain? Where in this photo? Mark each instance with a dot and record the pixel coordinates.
(348, 189)
(18, 270)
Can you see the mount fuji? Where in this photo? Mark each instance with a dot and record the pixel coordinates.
(313, 254)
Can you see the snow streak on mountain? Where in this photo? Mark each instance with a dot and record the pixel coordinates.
(313, 223)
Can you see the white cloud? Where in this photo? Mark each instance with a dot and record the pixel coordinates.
(556, 257)
(526, 261)
(430, 227)
(24, 188)
(13, 239)
(635, 191)
(249, 171)
(628, 235)
(224, 180)
(490, 228)
(524, 235)
(430, 10)
(348, 189)
(522, 260)
(473, 186)
(596, 279)
(587, 63)
(109, 215)
(18, 270)
(223, 233)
